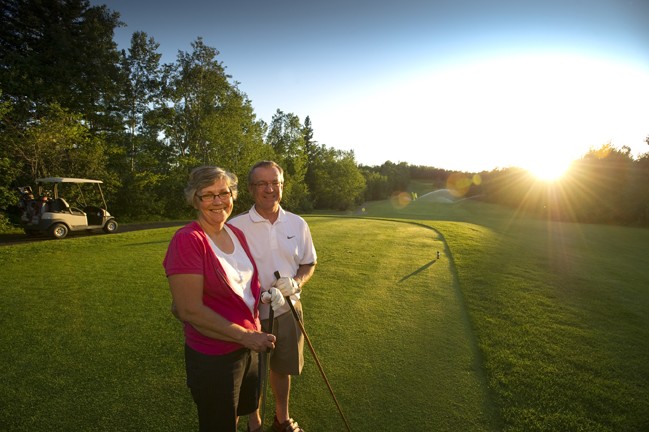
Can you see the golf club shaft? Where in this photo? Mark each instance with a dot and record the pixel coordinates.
(266, 356)
(315, 357)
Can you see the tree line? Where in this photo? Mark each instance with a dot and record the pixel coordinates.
(606, 185)
(73, 105)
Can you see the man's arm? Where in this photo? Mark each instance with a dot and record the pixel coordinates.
(304, 273)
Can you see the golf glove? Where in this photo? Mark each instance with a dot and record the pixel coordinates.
(274, 297)
(287, 285)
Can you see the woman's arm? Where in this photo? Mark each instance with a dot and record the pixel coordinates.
(187, 293)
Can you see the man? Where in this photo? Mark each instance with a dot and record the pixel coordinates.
(279, 241)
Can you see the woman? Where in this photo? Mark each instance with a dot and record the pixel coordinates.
(215, 288)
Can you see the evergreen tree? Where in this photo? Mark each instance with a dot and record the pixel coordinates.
(285, 137)
(141, 90)
(59, 51)
(311, 148)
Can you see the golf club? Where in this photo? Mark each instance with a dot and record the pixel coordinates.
(266, 367)
(315, 357)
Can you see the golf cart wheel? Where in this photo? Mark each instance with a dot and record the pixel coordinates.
(59, 231)
(111, 226)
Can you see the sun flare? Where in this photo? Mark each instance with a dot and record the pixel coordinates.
(549, 171)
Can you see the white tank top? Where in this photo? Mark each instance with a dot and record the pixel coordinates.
(238, 268)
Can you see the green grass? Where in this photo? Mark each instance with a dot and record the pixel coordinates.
(521, 325)
(562, 315)
(390, 325)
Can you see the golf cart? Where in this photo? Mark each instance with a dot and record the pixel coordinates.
(49, 213)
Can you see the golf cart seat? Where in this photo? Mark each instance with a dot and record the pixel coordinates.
(95, 215)
(59, 205)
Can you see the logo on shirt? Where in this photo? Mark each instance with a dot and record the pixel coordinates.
(290, 237)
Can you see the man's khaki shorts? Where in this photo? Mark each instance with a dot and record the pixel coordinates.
(287, 358)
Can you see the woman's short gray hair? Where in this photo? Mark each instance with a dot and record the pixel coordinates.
(204, 176)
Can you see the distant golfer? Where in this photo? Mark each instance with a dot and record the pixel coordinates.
(215, 288)
(279, 241)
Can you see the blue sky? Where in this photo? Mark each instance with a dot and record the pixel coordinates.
(456, 84)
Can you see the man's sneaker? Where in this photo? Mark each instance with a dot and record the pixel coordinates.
(289, 425)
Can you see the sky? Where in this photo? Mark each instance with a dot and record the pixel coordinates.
(463, 85)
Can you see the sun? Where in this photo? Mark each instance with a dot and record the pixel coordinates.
(549, 170)
(551, 163)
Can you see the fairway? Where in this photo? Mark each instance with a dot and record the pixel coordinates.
(392, 315)
(519, 325)
(384, 314)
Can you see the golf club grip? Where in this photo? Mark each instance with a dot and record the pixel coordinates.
(271, 319)
(271, 322)
(290, 303)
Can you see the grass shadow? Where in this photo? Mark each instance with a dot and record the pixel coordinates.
(419, 270)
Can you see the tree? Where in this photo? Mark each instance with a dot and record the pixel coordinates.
(199, 88)
(398, 175)
(139, 158)
(59, 74)
(599, 185)
(210, 120)
(285, 136)
(377, 186)
(311, 149)
(141, 90)
(338, 183)
(59, 51)
(60, 144)
(9, 169)
(640, 192)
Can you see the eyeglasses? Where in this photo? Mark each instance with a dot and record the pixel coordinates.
(263, 185)
(223, 196)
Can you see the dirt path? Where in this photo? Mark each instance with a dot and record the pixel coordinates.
(9, 239)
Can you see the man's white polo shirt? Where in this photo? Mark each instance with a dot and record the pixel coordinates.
(282, 246)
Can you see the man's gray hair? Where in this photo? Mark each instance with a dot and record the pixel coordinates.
(265, 164)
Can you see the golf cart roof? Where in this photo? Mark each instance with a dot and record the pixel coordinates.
(66, 180)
